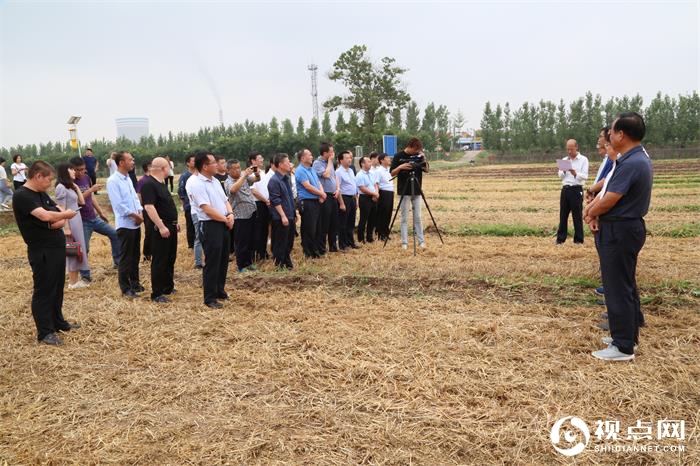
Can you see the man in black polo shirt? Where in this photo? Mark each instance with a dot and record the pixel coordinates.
(618, 218)
(40, 221)
(160, 207)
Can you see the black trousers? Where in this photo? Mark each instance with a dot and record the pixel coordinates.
(328, 233)
(310, 225)
(261, 231)
(619, 244)
(18, 184)
(129, 257)
(570, 201)
(385, 207)
(243, 228)
(282, 243)
(49, 275)
(189, 226)
(148, 231)
(163, 262)
(346, 221)
(169, 180)
(93, 178)
(215, 244)
(368, 215)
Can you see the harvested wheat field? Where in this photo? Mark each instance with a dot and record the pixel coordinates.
(467, 353)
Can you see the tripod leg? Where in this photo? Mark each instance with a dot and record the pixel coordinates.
(431, 216)
(398, 207)
(412, 180)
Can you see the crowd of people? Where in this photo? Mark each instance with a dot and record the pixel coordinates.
(234, 213)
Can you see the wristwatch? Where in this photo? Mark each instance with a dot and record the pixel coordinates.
(228, 213)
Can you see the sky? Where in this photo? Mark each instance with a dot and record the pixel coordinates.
(172, 62)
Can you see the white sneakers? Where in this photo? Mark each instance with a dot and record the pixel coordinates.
(420, 245)
(608, 341)
(404, 246)
(611, 353)
(78, 285)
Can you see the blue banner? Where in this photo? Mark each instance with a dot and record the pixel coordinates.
(390, 144)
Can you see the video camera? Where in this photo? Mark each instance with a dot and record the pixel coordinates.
(417, 161)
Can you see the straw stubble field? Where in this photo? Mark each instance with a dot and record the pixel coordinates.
(467, 353)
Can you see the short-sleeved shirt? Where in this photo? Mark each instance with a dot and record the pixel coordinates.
(306, 174)
(3, 175)
(90, 164)
(633, 178)
(346, 179)
(87, 212)
(140, 183)
(242, 201)
(383, 177)
(604, 169)
(319, 166)
(21, 171)
(403, 176)
(367, 180)
(207, 191)
(36, 233)
(261, 186)
(156, 193)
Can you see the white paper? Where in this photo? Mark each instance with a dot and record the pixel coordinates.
(564, 165)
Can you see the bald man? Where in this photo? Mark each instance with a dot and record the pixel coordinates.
(571, 198)
(160, 208)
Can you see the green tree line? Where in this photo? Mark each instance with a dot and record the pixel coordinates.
(671, 122)
(237, 140)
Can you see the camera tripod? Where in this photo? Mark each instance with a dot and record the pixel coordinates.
(412, 183)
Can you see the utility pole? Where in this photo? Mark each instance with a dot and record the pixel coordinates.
(314, 89)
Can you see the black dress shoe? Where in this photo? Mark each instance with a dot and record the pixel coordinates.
(160, 299)
(199, 267)
(214, 305)
(223, 296)
(138, 288)
(51, 339)
(71, 326)
(130, 294)
(355, 246)
(173, 291)
(333, 250)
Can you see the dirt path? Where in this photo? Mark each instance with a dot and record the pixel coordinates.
(470, 156)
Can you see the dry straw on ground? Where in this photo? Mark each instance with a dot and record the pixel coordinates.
(466, 354)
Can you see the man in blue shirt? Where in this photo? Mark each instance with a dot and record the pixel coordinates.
(128, 216)
(282, 211)
(618, 218)
(311, 196)
(324, 168)
(91, 165)
(182, 194)
(347, 201)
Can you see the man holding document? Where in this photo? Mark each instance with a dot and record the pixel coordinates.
(573, 171)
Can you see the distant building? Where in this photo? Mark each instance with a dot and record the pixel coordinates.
(132, 128)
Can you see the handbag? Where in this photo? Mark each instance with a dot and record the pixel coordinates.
(73, 248)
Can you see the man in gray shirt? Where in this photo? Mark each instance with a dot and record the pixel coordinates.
(324, 168)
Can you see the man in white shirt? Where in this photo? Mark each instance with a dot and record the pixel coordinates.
(571, 198)
(215, 218)
(261, 225)
(386, 196)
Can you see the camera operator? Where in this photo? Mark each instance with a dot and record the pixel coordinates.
(409, 161)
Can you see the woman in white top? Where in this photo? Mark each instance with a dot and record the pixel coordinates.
(19, 171)
(171, 173)
(5, 191)
(111, 164)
